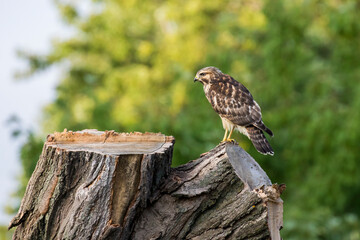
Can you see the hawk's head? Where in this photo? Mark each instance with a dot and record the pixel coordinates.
(204, 75)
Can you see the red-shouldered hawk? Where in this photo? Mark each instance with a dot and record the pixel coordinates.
(236, 107)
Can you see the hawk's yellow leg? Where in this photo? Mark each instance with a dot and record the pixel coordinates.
(225, 138)
(228, 139)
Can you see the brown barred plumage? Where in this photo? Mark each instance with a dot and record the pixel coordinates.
(259, 140)
(236, 107)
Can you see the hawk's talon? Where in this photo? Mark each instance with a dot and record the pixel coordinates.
(229, 140)
(232, 141)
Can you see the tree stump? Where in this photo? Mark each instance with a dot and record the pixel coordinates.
(106, 185)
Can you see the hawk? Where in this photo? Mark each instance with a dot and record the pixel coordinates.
(235, 106)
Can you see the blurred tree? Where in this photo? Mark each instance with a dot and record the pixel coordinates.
(130, 66)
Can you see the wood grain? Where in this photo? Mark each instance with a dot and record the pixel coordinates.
(107, 185)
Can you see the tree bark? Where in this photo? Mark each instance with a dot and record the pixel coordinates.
(106, 185)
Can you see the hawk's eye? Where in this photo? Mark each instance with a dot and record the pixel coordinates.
(202, 74)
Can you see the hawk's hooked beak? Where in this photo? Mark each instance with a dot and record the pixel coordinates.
(196, 78)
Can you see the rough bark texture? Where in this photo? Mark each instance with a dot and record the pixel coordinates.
(105, 185)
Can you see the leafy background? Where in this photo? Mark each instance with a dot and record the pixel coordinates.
(129, 66)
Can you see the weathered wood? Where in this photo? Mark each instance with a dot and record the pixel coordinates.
(106, 185)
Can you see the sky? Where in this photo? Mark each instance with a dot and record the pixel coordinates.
(30, 26)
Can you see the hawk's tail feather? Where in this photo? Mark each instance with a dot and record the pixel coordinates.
(269, 131)
(259, 140)
(262, 126)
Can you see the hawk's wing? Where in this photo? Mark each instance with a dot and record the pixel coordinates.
(233, 101)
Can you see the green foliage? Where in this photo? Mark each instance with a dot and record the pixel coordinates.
(5, 234)
(29, 155)
(130, 67)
